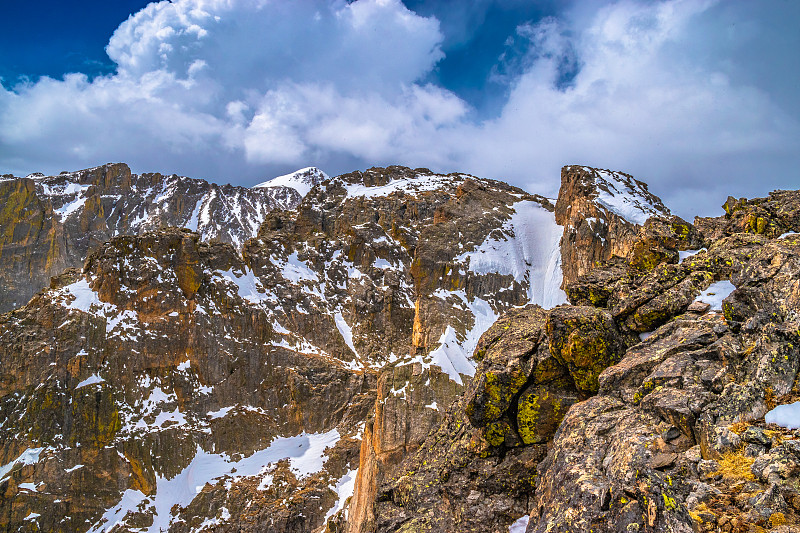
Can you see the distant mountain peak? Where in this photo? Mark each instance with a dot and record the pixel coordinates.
(302, 180)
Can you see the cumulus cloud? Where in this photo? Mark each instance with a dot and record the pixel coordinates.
(635, 105)
(239, 90)
(256, 84)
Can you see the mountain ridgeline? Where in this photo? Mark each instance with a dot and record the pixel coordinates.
(393, 350)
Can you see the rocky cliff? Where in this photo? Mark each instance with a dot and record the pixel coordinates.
(50, 223)
(395, 353)
(639, 407)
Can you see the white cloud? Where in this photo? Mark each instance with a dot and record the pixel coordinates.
(634, 105)
(257, 84)
(239, 89)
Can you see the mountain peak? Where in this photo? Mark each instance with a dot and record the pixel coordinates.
(617, 193)
(302, 180)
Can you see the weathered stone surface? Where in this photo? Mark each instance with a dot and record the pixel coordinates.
(708, 380)
(88, 375)
(601, 212)
(659, 241)
(508, 353)
(773, 216)
(586, 341)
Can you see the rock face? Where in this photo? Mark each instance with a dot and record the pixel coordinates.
(394, 353)
(661, 431)
(147, 376)
(49, 223)
(676, 439)
(601, 212)
(403, 270)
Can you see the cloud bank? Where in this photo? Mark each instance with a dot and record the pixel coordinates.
(241, 90)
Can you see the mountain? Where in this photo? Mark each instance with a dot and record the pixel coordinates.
(51, 222)
(302, 180)
(404, 351)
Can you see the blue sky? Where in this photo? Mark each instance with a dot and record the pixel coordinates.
(696, 97)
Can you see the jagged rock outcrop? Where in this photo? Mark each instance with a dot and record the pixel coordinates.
(601, 212)
(675, 439)
(49, 223)
(773, 216)
(671, 436)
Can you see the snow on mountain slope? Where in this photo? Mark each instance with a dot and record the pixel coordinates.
(413, 184)
(177, 387)
(625, 196)
(305, 454)
(76, 211)
(302, 180)
(135, 204)
(455, 246)
(196, 372)
(527, 248)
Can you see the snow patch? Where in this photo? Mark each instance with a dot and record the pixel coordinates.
(683, 254)
(520, 525)
(28, 457)
(67, 209)
(220, 412)
(715, 294)
(305, 452)
(91, 380)
(382, 263)
(454, 353)
(296, 270)
(787, 416)
(84, 296)
(345, 330)
(529, 251)
(302, 180)
(624, 197)
(344, 488)
(247, 285)
(408, 185)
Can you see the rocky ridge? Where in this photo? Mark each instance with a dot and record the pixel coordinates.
(50, 223)
(640, 406)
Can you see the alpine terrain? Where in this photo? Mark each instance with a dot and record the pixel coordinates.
(394, 350)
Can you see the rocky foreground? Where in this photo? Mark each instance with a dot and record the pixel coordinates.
(395, 353)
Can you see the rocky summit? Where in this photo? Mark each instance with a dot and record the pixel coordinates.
(394, 350)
